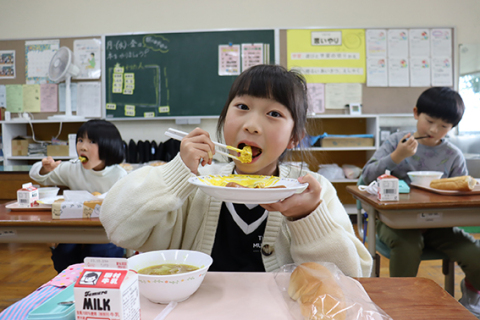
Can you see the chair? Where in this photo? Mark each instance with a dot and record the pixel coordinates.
(448, 266)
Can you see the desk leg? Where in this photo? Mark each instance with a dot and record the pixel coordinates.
(371, 231)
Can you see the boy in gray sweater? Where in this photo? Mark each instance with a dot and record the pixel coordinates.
(437, 111)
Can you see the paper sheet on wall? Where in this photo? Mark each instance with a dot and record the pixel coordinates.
(14, 93)
(49, 97)
(62, 96)
(376, 42)
(339, 95)
(441, 42)
(397, 43)
(398, 72)
(419, 42)
(377, 75)
(229, 60)
(252, 55)
(3, 96)
(31, 98)
(327, 56)
(442, 71)
(89, 96)
(420, 72)
(38, 55)
(316, 98)
(7, 64)
(87, 56)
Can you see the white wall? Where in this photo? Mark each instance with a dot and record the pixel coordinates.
(65, 18)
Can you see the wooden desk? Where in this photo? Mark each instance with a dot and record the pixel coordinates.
(38, 227)
(232, 295)
(418, 209)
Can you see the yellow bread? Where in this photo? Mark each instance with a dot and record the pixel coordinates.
(462, 183)
(314, 287)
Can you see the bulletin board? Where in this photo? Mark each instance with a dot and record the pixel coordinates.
(299, 50)
(155, 75)
(20, 73)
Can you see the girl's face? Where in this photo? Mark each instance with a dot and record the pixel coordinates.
(89, 149)
(265, 125)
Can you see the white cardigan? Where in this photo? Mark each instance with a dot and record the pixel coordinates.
(155, 208)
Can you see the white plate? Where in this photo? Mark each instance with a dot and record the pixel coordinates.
(250, 195)
(475, 190)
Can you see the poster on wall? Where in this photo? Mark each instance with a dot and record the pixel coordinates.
(38, 55)
(87, 56)
(327, 56)
(229, 60)
(7, 64)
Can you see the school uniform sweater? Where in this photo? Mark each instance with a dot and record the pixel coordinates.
(156, 208)
(74, 176)
(444, 157)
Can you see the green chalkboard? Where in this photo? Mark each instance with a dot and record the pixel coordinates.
(176, 74)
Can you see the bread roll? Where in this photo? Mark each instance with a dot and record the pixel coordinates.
(463, 183)
(314, 287)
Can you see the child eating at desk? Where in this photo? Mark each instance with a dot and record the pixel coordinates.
(100, 148)
(156, 208)
(437, 111)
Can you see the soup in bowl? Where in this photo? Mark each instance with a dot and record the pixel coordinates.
(169, 275)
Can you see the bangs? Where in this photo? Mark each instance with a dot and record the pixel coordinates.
(265, 84)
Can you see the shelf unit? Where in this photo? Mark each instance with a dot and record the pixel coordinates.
(44, 131)
(358, 156)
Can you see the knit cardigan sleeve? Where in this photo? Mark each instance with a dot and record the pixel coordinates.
(146, 209)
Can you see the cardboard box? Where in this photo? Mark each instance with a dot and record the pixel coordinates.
(20, 146)
(27, 196)
(341, 142)
(107, 290)
(76, 210)
(387, 187)
(58, 151)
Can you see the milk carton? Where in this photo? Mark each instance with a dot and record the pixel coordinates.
(387, 187)
(107, 290)
(27, 196)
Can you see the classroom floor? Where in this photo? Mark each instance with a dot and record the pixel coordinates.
(25, 267)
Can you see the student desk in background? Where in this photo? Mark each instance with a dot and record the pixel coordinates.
(417, 209)
(29, 226)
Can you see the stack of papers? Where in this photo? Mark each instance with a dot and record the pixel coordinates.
(37, 149)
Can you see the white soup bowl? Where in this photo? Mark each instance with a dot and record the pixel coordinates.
(174, 287)
(423, 178)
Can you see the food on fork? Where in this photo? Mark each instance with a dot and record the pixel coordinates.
(82, 159)
(462, 183)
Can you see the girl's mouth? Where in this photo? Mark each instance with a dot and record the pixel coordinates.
(83, 159)
(256, 152)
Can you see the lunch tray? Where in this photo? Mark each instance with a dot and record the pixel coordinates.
(51, 310)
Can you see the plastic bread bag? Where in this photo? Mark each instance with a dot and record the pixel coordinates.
(320, 291)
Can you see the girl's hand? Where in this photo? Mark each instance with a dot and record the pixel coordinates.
(299, 205)
(405, 149)
(197, 148)
(48, 165)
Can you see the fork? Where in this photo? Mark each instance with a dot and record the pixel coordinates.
(179, 135)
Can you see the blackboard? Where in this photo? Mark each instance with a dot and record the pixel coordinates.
(172, 74)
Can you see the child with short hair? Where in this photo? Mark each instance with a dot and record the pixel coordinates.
(438, 110)
(156, 208)
(100, 144)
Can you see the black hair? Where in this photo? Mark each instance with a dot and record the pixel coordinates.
(108, 138)
(288, 88)
(442, 103)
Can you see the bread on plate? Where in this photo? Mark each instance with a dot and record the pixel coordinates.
(462, 183)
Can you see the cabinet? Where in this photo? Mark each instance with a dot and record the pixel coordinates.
(358, 156)
(42, 130)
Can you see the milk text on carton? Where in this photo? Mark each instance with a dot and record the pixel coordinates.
(387, 187)
(107, 290)
(27, 196)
